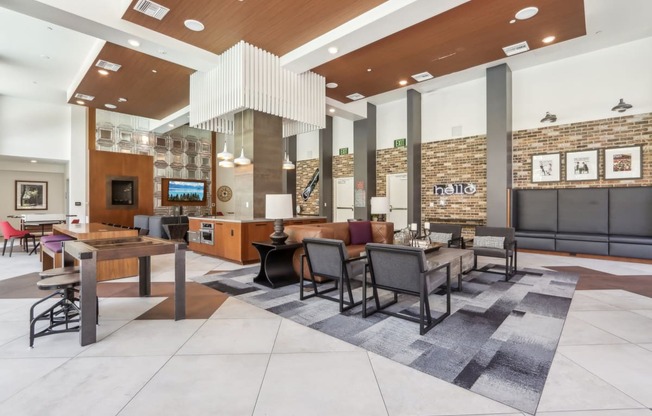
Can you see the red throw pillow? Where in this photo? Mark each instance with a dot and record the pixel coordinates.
(360, 232)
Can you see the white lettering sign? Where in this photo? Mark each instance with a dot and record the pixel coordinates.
(454, 189)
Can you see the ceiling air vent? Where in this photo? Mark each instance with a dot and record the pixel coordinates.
(109, 66)
(151, 9)
(84, 97)
(516, 48)
(355, 96)
(422, 76)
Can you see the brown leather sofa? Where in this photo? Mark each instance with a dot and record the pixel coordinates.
(381, 232)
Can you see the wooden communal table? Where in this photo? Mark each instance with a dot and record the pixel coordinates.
(91, 252)
(107, 270)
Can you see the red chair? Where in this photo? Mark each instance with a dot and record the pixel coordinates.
(10, 234)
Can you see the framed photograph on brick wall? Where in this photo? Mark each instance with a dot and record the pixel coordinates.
(582, 166)
(622, 163)
(546, 168)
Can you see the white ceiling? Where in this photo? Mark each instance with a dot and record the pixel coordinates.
(70, 32)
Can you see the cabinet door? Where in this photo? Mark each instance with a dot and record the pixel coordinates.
(218, 238)
(257, 231)
(232, 242)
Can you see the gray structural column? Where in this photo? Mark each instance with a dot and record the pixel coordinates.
(414, 155)
(364, 163)
(499, 143)
(326, 170)
(290, 182)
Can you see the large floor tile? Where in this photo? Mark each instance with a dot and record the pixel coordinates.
(627, 325)
(579, 332)
(646, 346)
(235, 308)
(613, 412)
(202, 385)
(408, 392)
(17, 310)
(233, 336)
(126, 308)
(333, 383)
(24, 372)
(293, 337)
(645, 312)
(9, 331)
(146, 338)
(583, 302)
(626, 367)
(571, 387)
(621, 299)
(95, 386)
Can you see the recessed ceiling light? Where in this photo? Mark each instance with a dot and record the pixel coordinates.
(170, 125)
(111, 106)
(154, 71)
(511, 22)
(332, 85)
(368, 69)
(134, 43)
(548, 39)
(332, 110)
(80, 102)
(122, 100)
(33, 161)
(526, 13)
(402, 82)
(194, 25)
(103, 71)
(332, 50)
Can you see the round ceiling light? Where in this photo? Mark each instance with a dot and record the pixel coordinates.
(548, 39)
(332, 50)
(134, 43)
(194, 25)
(34, 161)
(80, 102)
(332, 85)
(526, 13)
(332, 110)
(122, 100)
(103, 71)
(111, 106)
(402, 82)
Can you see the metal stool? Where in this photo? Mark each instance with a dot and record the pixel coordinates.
(63, 313)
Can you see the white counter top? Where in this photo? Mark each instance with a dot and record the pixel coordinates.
(245, 220)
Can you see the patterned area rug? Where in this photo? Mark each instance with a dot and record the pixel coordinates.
(498, 342)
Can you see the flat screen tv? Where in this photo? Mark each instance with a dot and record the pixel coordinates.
(190, 192)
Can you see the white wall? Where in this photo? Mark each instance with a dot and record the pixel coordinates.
(391, 123)
(308, 145)
(34, 129)
(342, 134)
(77, 172)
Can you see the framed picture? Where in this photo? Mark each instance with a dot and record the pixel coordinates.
(31, 195)
(622, 163)
(582, 166)
(546, 168)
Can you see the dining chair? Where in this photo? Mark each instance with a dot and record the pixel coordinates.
(10, 234)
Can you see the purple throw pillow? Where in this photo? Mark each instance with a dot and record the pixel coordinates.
(360, 232)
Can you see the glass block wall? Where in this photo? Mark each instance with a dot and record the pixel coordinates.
(183, 153)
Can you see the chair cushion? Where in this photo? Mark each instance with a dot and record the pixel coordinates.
(488, 241)
(441, 237)
(360, 232)
(54, 238)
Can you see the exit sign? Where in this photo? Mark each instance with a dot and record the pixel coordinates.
(344, 151)
(400, 142)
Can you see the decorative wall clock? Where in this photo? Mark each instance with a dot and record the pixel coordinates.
(224, 193)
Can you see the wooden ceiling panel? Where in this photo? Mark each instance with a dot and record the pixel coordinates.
(149, 94)
(469, 35)
(277, 26)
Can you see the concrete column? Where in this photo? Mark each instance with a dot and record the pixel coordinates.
(290, 182)
(364, 163)
(326, 170)
(414, 155)
(499, 143)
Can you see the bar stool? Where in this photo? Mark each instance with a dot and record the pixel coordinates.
(63, 313)
(58, 271)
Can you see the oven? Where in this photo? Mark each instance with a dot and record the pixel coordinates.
(206, 233)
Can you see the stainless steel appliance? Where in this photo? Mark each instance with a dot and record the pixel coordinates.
(206, 233)
(194, 237)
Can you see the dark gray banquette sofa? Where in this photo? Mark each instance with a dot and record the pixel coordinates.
(603, 221)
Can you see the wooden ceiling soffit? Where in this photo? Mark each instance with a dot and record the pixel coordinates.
(464, 37)
(277, 26)
(149, 94)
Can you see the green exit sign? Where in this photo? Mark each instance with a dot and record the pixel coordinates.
(344, 151)
(400, 142)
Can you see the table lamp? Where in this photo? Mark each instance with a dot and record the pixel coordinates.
(278, 207)
(380, 206)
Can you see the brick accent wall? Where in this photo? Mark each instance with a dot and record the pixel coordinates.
(343, 166)
(389, 161)
(305, 170)
(598, 134)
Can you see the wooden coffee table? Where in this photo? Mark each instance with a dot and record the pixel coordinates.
(460, 260)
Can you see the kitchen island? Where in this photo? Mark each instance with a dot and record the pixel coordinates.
(230, 238)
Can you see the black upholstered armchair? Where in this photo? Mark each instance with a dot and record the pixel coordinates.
(496, 242)
(328, 259)
(449, 234)
(402, 269)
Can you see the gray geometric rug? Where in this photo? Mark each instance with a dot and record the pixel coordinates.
(499, 340)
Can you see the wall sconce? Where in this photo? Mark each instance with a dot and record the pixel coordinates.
(622, 106)
(549, 117)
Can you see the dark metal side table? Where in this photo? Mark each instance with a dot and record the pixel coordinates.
(276, 263)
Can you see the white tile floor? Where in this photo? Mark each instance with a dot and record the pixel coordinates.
(247, 361)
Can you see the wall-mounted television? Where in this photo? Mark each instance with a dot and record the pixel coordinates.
(188, 192)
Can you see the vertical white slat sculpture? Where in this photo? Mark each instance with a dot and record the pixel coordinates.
(248, 77)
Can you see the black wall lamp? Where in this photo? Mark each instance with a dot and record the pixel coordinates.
(622, 106)
(549, 117)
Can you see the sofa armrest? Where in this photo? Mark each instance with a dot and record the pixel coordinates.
(382, 232)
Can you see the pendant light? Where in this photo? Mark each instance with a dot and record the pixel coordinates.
(242, 160)
(226, 164)
(287, 163)
(225, 154)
